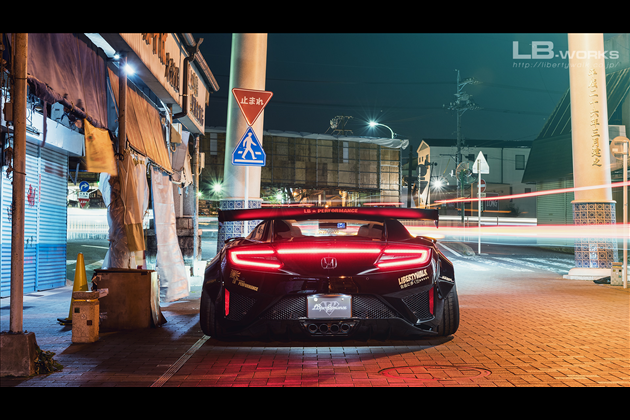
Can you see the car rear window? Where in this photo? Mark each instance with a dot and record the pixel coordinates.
(285, 229)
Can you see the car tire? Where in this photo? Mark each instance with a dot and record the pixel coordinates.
(207, 316)
(450, 317)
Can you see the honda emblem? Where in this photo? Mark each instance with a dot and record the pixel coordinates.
(328, 263)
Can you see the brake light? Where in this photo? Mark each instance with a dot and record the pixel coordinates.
(330, 251)
(401, 257)
(259, 257)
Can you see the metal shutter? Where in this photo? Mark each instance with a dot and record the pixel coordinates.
(45, 222)
(53, 221)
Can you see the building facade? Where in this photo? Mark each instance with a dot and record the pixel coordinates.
(506, 159)
(74, 78)
(317, 169)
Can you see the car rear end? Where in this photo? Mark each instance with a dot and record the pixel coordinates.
(335, 277)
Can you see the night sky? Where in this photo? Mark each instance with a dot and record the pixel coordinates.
(401, 80)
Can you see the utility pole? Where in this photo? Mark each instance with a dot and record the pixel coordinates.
(19, 349)
(462, 104)
(20, 42)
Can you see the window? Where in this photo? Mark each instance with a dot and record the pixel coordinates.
(213, 144)
(258, 234)
(520, 162)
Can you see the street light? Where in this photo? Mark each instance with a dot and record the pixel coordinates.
(216, 188)
(374, 124)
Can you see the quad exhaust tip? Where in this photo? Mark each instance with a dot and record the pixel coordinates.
(330, 328)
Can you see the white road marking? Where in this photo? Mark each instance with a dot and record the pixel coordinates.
(449, 249)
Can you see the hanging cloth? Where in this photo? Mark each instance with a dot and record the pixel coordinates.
(133, 183)
(99, 152)
(169, 259)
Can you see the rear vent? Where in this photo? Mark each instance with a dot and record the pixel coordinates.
(369, 307)
(289, 307)
(239, 306)
(419, 304)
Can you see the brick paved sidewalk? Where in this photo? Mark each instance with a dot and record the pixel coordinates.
(537, 331)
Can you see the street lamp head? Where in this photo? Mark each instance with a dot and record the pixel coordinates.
(373, 123)
(129, 70)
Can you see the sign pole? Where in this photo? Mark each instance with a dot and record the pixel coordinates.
(245, 205)
(480, 167)
(479, 206)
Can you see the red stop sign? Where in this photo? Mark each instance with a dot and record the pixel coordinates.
(482, 184)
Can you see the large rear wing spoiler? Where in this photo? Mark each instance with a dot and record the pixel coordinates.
(301, 213)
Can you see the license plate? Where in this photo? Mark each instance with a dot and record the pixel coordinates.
(329, 306)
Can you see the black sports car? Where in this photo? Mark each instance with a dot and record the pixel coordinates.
(329, 272)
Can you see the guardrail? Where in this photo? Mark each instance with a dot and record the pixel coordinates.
(92, 223)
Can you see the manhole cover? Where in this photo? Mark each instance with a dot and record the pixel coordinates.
(435, 372)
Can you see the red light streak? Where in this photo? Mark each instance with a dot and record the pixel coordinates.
(287, 205)
(535, 193)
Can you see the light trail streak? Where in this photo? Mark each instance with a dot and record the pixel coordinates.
(612, 231)
(535, 193)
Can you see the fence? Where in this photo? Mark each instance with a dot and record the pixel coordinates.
(92, 223)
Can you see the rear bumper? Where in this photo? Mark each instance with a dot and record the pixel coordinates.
(333, 329)
(371, 317)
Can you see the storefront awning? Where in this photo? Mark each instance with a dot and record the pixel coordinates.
(66, 68)
(144, 129)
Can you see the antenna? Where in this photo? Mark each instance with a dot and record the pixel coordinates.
(339, 120)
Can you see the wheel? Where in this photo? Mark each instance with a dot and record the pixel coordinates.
(450, 317)
(207, 316)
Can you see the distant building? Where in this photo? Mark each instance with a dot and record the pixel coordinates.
(314, 168)
(507, 161)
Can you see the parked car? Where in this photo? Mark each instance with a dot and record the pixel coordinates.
(329, 272)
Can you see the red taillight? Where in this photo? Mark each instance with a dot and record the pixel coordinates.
(402, 257)
(227, 302)
(255, 257)
(328, 251)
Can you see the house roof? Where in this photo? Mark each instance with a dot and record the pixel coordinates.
(559, 122)
(479, 143)
(551, 156)
(387, 142)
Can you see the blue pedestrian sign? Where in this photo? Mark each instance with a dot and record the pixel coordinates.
(84, 186)
(249, 151)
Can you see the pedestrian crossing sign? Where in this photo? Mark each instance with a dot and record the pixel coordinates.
(249, 151)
